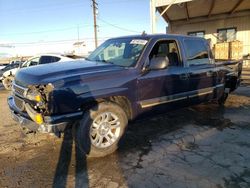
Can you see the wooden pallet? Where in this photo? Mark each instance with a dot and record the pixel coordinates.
(229, 50)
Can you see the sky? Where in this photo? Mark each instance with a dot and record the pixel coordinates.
(32, 26)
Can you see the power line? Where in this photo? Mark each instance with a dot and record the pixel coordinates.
(44, 31)
(118, 27)
(49, 31)
(121, 1)
(54, 41)
(42, 8)
(46, 6)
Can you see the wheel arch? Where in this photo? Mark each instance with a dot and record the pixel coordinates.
(122, 101)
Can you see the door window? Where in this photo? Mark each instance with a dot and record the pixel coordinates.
(166, 48)
(196, 51)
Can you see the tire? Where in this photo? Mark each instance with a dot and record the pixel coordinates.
(222, 99)
(7, 82)
(100, 129)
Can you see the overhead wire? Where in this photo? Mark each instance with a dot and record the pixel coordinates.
(51, 30)
(54, 41)
(70, 28)
(56, 5)
(118, 27)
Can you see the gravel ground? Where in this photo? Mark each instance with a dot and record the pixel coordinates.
(201, 146)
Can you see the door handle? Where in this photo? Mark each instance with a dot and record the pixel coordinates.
(184, 76)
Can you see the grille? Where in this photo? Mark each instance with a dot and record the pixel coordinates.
(18, 90)
(19, 103)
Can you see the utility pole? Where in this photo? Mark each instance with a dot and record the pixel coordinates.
(95, 9)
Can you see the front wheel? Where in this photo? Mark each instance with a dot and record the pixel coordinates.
(7, 82)
(100, 129)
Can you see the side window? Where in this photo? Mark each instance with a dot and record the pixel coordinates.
(55, 59)
(166, 48)
(196, 51)
(48, 59)
(33, 61)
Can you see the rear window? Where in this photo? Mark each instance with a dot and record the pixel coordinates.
(48, 59)
(196, 51)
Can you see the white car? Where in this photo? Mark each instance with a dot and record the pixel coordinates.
(2, 67)
(9, 75)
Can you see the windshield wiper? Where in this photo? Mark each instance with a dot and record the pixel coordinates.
(104, 61)
(87, 59)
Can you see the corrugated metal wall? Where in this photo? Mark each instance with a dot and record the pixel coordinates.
(210, 27)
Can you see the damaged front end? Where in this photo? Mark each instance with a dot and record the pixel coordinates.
(29, 106)
(36, 103)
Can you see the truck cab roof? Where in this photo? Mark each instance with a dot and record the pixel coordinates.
(158, 36)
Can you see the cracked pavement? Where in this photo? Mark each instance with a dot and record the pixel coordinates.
(200, 146)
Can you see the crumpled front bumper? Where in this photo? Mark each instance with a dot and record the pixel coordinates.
(52, 124)
(24, 122)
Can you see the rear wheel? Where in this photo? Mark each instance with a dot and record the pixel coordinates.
(100, 129)
(7, 82)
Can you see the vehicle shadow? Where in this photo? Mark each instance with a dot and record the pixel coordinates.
(138, 138)
(136, 142)
(60, 178)
(68, 147)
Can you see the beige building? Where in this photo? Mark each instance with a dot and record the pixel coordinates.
(217, 20)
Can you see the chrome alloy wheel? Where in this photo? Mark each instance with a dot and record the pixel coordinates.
(105, 130)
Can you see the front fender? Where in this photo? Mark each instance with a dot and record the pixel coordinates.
(66, 101)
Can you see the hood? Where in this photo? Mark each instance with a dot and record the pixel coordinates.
(62, 71)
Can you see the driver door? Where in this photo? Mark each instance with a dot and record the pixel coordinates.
(167, 85)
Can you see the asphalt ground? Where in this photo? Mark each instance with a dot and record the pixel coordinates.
(200, 146)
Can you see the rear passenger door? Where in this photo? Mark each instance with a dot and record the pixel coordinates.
(201, 69)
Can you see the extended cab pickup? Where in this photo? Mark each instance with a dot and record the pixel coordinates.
(123, 78)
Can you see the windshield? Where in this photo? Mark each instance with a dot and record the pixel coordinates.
(30, 62)
(123, 52)
(10, 66)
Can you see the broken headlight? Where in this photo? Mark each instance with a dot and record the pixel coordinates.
(38, 97)
(34, 95)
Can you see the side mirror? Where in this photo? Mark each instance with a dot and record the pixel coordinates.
(158, 63)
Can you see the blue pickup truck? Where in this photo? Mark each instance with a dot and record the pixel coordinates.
(122, 79)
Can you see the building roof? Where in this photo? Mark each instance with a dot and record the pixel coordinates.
(189, 9)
